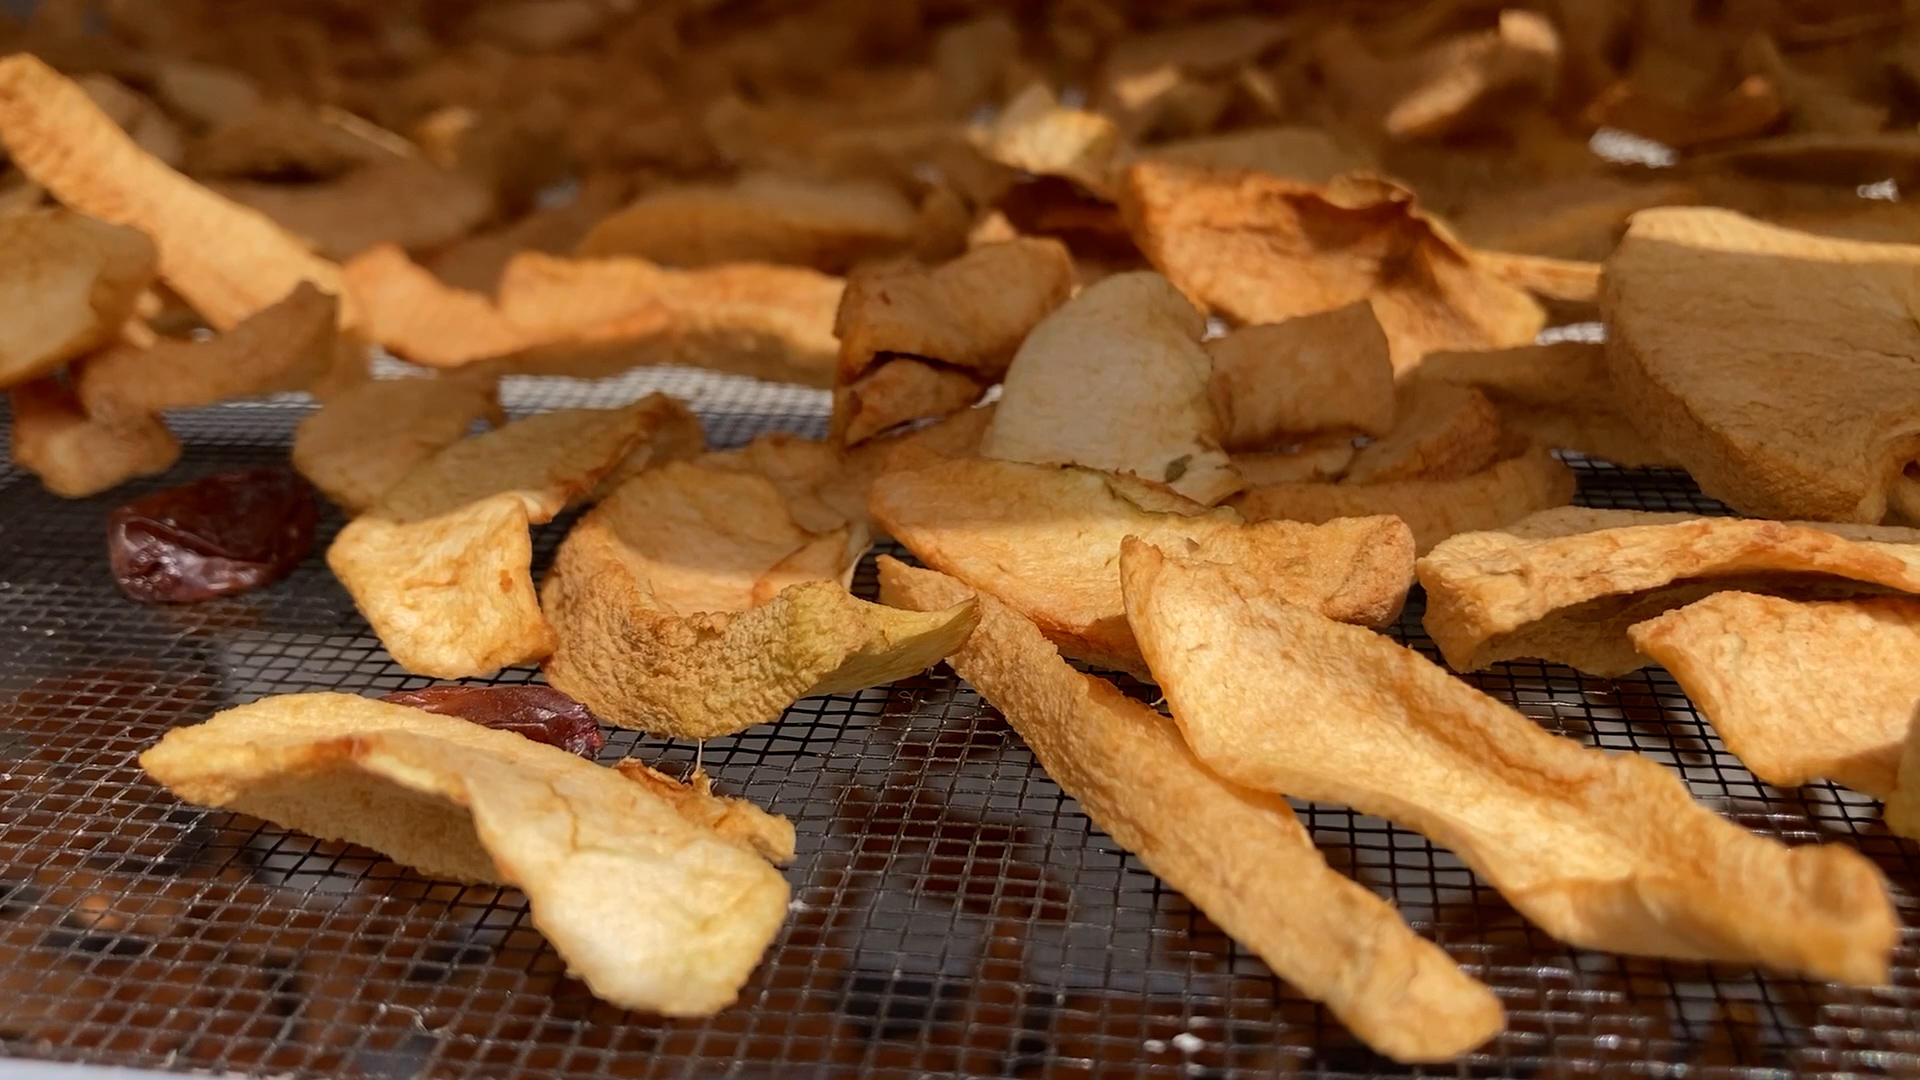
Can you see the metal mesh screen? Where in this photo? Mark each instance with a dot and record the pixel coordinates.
(953, 912)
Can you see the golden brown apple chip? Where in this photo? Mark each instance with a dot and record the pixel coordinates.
(1306, 154)
(1713, 319)
(226, 260)
(660, 597)
(283, 347)
(950, 331)
(1798, 691)
(405, 201)
(1441, 432)
(1326, 372)
(1240, 856)
(1601, 850)
(150, 128)
(450, 593)
(828, 225)
(1323, 457)
(1047, 540)
(1171, 82)
(1749, 109)
(408, 310)
(649, 898)
(1461, 85)
(1551, 279)
(1434, 509)
(364, 440)
(1116, 380)
(441, 565)
(76, 455)
(1259, 249)
(1568, 597)
(1558, 395)
(1036, 134)
(1579, 218)
(67, 285)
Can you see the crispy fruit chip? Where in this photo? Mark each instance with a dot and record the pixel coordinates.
(689, 603)
(287, 346)
(410, 311)
(364, 441)
(1442, 432)
(1603, 851)
(76, 455)
(1036, 134)
(1306, 154)
(1238, 855)
(67, 285)
(1324, 457)
(1325, 372)
(1116, 380)
(828, 225)
(226, 260)
(1260, 249)
(1046, 541)
(1569, 597)
(1434, 509)
(1712, 320)
(918, 343)
(405, 201)
(646, 893)
(1558, 395)
(1798, 691)
(442, 565)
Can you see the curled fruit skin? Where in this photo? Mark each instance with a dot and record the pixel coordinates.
(541, 713)
(216, 536)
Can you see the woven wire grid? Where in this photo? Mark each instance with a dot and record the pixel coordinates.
(953, 913)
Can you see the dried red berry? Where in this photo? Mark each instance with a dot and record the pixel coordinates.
(220, 535)
(541, 713)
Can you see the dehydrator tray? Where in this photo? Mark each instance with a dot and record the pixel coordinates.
(953, 912)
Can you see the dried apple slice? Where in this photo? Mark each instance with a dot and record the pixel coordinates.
(1559, 395)
(1712, 320)
(362, 442)
(76, 455)
(1568, 596)
(1240, 856)
(1047, 541)
(68, 284)
(660, 597)
(1440, 432)
(641, 890)
(1603, 851)
(413, 313)
(1798, 691)
(1036, 134)
(405, 201)
(1434, 509)
(287, 346)
(226, 260)
(1116, 380)
(1325, 372)
(1260, 249)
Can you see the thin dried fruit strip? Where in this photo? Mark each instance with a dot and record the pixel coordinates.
(1601, 850)
(68, 284)
(76, 455)
(1240, 856)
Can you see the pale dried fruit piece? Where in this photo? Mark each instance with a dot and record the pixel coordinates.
(75, 455)
(67, 285)
(1306, 154)
(1461, 85)
(828, 225)
(1441, 432)
(1259, 249)
(226, 260)
(1558, 395)
(950, 331)
(659, 596)
(1116, 380)
(1798, 691)
(1047, 541)
(1433, 509)
(441, 567)
(1567, 280)
(1712, 319)
(361, 442)
(1568, 597)
(411, 312)
(449, 594)
(283, 347)
(1602, 851)
(1325, 372)
(1325, 457)
(1240, 856)
(1036, 134)
(652, 906)
(1579, 218)
(404, 201)
(150, 128)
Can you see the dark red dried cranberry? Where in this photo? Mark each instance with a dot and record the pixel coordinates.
(224, 534)
(541, 713)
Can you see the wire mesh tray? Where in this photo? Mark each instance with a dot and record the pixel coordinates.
(953, 912)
